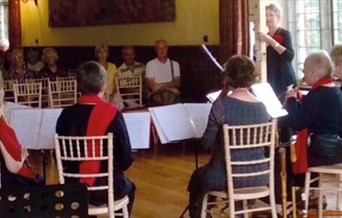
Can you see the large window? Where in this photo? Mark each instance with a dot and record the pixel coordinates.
(317, 25)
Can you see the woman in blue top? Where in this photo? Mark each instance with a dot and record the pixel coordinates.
(238, 108)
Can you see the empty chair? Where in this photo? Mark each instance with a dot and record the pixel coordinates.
(323, 180)
(9, 90)
(45, 88)
(90, 148)
(255, 138)
(62, 93)
(28, 94)
(130, 90)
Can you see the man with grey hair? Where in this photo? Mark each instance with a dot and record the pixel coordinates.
(90, 116)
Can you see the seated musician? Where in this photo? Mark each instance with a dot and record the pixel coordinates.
(163, 77)
(91, 114)
(317, 116)
(238, 108)
(14, 166)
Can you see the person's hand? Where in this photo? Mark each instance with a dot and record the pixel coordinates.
(264, 37)
(291, 93)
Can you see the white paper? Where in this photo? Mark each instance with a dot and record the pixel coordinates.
(214, 95)
(180, 121)
(265, 93)
(9, 106)
(48, 128)
(138, 126)
(35, 127)
(199, 114)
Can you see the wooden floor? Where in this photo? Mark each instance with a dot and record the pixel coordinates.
(161, 176)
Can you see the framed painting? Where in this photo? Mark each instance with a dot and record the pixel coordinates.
(70, 13)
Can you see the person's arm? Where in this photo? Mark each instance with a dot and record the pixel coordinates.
(299, 112)
(216, 114)
(122, 145)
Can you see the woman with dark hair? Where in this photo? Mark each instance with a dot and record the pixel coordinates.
(240, 107)
(86, 114)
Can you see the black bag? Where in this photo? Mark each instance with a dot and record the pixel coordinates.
(325, 145)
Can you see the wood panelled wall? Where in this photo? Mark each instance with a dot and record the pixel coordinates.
(199, 75)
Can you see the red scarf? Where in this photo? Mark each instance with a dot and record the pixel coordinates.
(101, 116)
(301, 164)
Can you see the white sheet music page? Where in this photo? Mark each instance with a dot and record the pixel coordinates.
(9, 106)
(265, 93)
(199, 114)
(172, 123)
(26, 124)
(48, 128)
(138, 127)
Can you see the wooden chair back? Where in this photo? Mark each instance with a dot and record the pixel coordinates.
(71, 149)
(9, 89)
(62, 93)
(130, 89)
(28, 94)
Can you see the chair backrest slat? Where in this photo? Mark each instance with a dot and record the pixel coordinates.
(130, 89)
(28, 94)
(255, 140)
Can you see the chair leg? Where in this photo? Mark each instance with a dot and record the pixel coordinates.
(125, 212)
(338, 196)
(244, 205)
(204, 206)
(294, 202)
(320, 206)
(306, 191)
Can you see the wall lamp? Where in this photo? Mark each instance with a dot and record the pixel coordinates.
(35, 1)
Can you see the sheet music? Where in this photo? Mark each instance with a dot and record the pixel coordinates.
(138, 126)
(35, 127)
(9, 106)
(265, 93)
(172, 123)
(48, 128)
(199, 114)
(26, 124)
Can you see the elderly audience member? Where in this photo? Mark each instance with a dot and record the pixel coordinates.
(130, 67)
(51, 69)
(163, 77)
(34, 62)
(75, 120)
(17, 70)
(238, 108)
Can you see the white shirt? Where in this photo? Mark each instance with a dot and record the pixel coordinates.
(161, 72)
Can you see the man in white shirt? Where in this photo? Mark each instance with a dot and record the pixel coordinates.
(163, 77)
